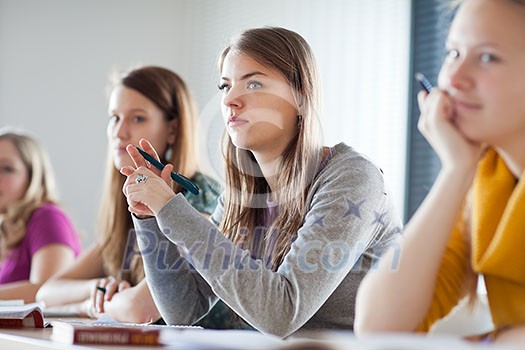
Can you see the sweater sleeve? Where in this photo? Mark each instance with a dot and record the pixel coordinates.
(450, 283)
(181, 295)
(346, 212)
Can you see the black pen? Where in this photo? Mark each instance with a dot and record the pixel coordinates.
(425, 83)
(182, 180)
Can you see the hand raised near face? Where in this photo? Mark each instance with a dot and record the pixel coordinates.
(437, 123)
(147, 189)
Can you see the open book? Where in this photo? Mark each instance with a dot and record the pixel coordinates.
(16, 315)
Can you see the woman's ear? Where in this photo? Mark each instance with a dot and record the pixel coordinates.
(173, 126)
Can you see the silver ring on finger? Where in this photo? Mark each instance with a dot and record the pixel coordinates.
(141, 178)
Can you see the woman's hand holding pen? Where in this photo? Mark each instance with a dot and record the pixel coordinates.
(148, 196)
(437, 124)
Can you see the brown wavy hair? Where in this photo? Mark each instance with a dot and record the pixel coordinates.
(169, 93)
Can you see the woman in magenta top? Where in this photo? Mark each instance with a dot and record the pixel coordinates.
(37, 238)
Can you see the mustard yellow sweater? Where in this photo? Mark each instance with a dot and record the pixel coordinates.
(495, 248)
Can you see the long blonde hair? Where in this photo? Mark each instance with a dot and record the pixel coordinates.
(170, 93)
(41, 189)
(246, 189)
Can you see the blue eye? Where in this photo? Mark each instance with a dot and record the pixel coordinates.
(138, 119)
(487, 58)
(254, 85)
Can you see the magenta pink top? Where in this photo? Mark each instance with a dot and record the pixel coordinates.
(47, 225)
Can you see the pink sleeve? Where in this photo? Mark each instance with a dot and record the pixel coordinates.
(50, 225)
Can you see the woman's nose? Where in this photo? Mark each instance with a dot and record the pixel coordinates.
(457, 76)
(120, 130)
(233, 98)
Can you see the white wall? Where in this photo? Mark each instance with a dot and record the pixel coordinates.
(55, 56)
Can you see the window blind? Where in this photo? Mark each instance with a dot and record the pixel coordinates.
(430, 22)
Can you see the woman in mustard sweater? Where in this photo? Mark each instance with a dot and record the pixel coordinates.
(472, 222)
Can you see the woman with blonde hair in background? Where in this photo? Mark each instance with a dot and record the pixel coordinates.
(37, 239)
(155, 103)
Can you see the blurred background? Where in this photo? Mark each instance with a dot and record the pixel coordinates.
(56, 57)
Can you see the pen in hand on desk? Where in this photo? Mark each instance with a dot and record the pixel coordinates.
(182, 180)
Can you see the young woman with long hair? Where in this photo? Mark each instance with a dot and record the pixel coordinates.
(298, 225)
(155, 103)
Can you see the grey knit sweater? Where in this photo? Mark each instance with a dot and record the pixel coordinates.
(350, 222)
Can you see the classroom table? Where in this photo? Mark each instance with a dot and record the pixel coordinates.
(27, 338)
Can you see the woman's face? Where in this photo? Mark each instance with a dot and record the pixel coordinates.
(14, 176)
(484, 69)
(258, 106)
(133, 116)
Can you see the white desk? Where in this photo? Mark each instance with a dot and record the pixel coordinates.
(216, 339)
